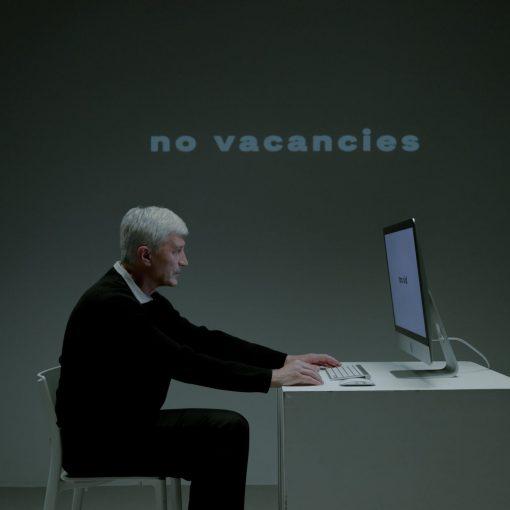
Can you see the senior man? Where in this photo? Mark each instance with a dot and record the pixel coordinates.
(123, 344)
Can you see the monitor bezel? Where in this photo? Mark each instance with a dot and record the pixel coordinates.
(410, 223)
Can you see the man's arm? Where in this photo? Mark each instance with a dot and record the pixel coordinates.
(288, 369)
(216, 343)
(143, 341)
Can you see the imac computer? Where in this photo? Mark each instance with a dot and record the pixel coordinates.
(416, 318)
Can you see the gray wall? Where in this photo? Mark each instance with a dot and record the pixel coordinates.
(285, 248)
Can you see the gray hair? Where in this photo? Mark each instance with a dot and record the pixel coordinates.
(148, 226)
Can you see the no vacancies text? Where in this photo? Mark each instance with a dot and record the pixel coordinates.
(366, 141)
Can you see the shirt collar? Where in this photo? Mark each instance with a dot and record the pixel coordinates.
(137, 291)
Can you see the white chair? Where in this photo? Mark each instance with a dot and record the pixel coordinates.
(58, 480)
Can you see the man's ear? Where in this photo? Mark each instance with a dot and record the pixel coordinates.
(144, 255)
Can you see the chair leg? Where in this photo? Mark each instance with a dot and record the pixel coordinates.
(52, 487)
(77, 499)
(160, 493)
(175, 494)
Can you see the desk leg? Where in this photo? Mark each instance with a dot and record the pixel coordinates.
(282, 496)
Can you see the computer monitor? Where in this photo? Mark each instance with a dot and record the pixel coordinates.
(416, 318)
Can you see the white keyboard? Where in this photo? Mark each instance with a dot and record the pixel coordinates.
(347, 372)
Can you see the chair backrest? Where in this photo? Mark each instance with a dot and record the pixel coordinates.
(48, 384)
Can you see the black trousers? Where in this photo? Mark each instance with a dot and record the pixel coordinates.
(209, 447)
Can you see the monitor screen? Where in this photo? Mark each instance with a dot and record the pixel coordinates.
(405, 282)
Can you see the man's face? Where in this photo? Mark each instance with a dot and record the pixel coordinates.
(168, 261)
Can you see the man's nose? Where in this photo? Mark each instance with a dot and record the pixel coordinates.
(184, 260)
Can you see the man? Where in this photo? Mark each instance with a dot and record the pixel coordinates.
(123, 344)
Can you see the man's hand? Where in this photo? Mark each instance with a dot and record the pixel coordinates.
(314, 359)
(296, 372)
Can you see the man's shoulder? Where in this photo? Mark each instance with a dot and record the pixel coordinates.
(110, 289)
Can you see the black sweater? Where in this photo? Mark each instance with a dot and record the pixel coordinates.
(119, 356)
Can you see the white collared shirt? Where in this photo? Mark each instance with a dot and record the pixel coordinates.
(137, 291)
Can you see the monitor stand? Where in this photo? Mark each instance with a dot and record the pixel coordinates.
(450, 367)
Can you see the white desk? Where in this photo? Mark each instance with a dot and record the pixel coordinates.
(401, 444)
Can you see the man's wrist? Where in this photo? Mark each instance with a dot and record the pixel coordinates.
(289, 358)
(274, 378)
